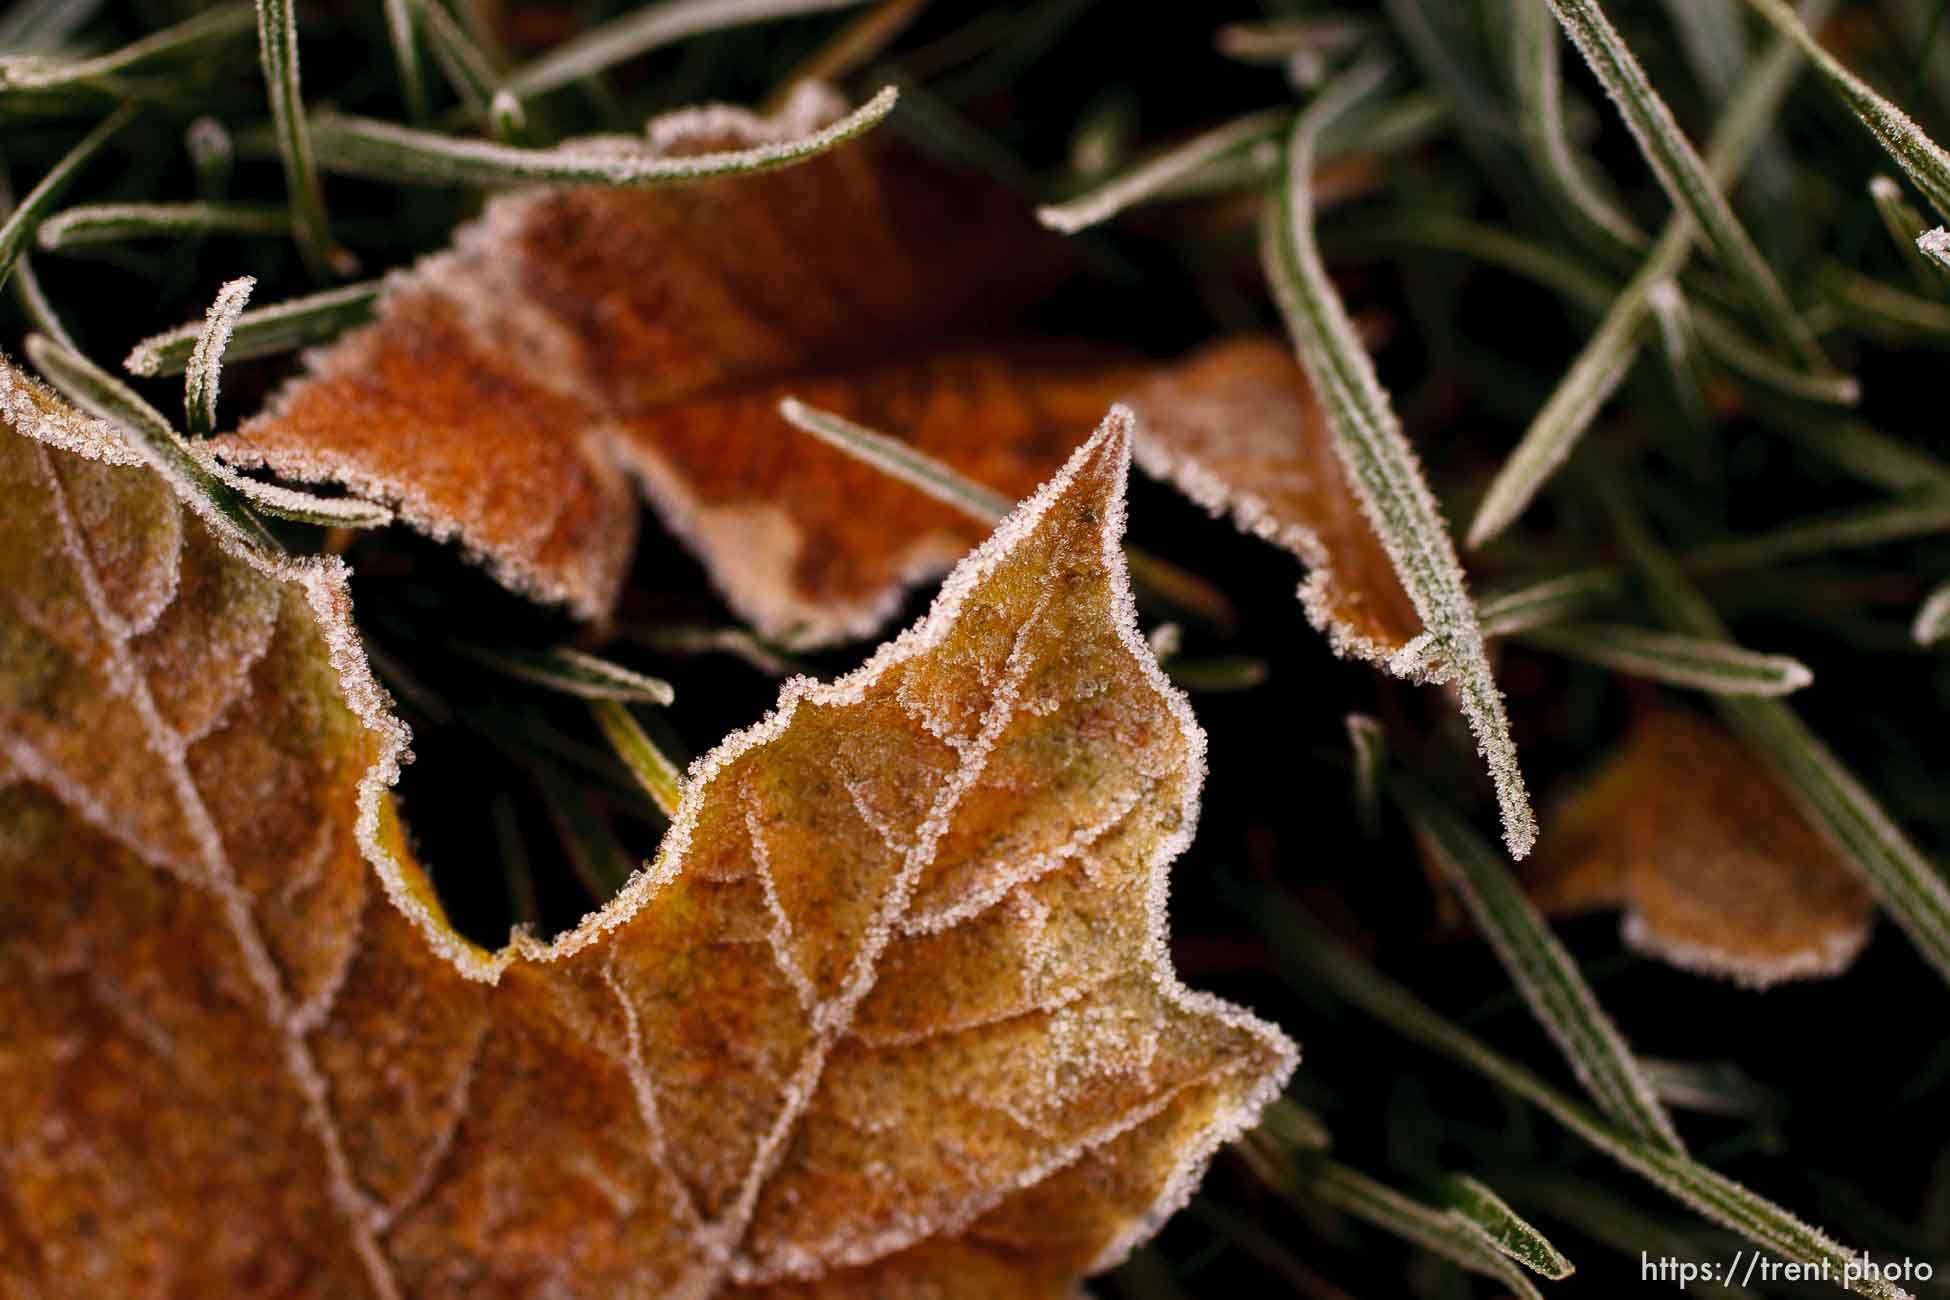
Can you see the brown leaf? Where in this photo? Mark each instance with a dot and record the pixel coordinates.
(1716, 867)
(1238, 429)
(891, 1013)
(577, 337)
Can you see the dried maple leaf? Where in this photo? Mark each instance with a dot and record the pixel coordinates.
(890, 1014)
(575, 337)
(1710, 856)
(1237, 428)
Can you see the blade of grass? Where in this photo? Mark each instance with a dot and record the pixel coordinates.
(1305, 945)
(1369, 441)
(1920, 514)
(263, 331)
(1216, 674)
(574, 672)
(107, 223)
(471, 71)
(26, 285)
(1159, 173)
(1369, 741)
(646, 29)
(1678, 339)
(1711, 1088)
(1513, 1235)
(1547, 601)
(357, 146)
(900, 460)
(1858, 449)
(1303, 1176)
(653, 770)
(205, 371)
(1932, 617)
(402, 35)
(1909, 889)
(1884, 311)
(1156, 579)
(1682, 173)
(36, 26)
(277, 44)
(1921, 158)
(1609, 353)
(190, 37)
(32, 209)
(1540, 92)
(1671, 660)
(1905, 224)
(1543, 972)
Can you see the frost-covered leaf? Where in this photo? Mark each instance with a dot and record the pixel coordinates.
(576, 338)
(1716, 866)
(1238, 429)
(891, 1005)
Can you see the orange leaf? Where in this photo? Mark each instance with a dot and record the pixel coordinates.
(891, 1007)
(1238, 429)
(574, 334)
(1711, 858)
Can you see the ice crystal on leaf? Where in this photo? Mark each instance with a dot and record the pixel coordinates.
(892, 1003)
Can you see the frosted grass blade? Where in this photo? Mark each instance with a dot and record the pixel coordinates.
(1369, 440)
(1369, 741)
(277, 43)
(1681, 171)
(578, 673)
(1513, 1235)
(1156, 579)
(1540, 91)
(651, 767)
(1326, 960)
(263, 331)
(1921, 158)
(1159, 174)
(201, 378)
(1544, 973)
(1546, 601)
(402, 35)
(357, 146)
(1921, 514)
(26, 73)
(897, 459)
(109, 223)
(1713, 667)
(646, 29)
(1305, 1176)
(1906, 229)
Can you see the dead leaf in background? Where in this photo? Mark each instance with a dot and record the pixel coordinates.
(892, 1006)
(1711, 858)
(574, 334)
(1238, 429)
